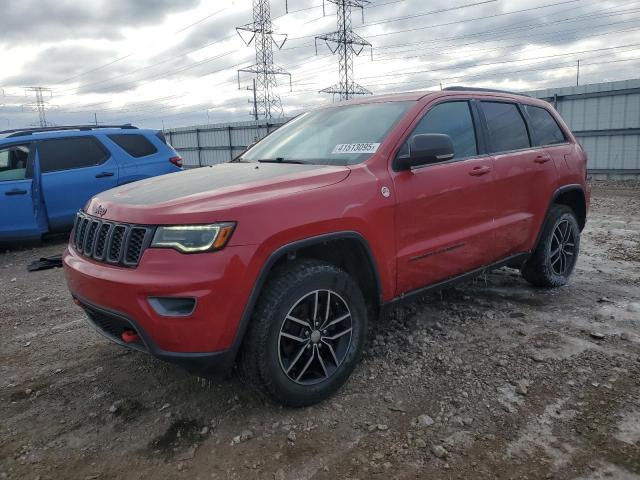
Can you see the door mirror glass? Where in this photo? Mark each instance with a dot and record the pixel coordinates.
(426, 148)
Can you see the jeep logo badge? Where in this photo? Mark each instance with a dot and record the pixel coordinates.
(99, 210)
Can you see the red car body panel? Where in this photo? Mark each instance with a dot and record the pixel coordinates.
(435, 223)
(217, 282)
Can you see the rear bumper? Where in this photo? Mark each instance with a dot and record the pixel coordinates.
(116, 298)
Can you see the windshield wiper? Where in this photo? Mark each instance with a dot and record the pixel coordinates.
(280, 160)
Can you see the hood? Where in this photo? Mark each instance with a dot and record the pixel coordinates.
(202, 194)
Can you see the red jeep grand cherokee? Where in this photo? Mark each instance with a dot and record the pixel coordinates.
(280, 258)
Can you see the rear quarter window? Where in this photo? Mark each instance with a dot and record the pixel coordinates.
(546, 130)
(135, 145)
(69, 153)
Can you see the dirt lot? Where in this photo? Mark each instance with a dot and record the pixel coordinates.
(492, 379)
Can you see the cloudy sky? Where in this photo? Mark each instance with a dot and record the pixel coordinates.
(174, 62)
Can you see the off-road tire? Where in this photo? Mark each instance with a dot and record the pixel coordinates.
(540, 269)
(260, 362)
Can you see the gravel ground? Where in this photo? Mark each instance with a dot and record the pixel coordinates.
(491, 379)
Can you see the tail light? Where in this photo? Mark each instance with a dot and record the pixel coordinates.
(177, 161)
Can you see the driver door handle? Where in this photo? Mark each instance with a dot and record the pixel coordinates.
(104, 174)
(542, 159)
(478, 171)
(16, 191)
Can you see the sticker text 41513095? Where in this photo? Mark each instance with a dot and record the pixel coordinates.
(356, 148)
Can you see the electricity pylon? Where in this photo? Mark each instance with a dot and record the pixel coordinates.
(262, 34)
(347, 44)
(40, 104)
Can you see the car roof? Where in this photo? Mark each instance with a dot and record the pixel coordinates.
(30, 134)
(391, 97)
(447, 92)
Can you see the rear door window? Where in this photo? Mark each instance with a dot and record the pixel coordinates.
(135, 145)
(70, 153)
(545, 128)
(507, 129)
(453, 119)
(13, 162)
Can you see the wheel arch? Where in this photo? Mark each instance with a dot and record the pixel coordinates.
(573, 197)
(332, 248)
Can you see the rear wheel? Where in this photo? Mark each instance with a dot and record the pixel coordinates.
(556, 254)
(306, 334)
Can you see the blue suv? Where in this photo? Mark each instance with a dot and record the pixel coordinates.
(48, 174)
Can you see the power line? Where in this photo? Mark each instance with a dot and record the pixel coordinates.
(415, 72)
(223, 69)
(201, 20)
(483, 33)
(438, 50)
(405, 84)
(208, 59)
(433, 86)
(501, 33)
(547, 68)
(444, 68)
(86, 72)
(535, 39)
(518, 30)
(459, 21)
(172, 72)
(432, 12)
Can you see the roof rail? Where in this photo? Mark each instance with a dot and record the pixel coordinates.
(29, 131)
(473, 89)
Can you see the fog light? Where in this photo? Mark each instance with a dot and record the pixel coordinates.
(173, 306)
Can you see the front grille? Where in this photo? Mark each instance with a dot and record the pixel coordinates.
(105, 241)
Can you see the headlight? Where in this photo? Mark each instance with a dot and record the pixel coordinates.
(193, 238)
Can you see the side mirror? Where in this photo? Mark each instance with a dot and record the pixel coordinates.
(426, 148)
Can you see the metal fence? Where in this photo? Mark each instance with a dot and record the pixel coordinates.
(606, 119)
(211, 144)
(604, 116)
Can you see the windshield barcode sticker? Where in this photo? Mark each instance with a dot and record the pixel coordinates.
(356, 148)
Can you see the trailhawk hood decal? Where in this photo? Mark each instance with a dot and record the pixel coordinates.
(209, 190)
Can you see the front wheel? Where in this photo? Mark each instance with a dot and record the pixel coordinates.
(306, 335)
(556, 254)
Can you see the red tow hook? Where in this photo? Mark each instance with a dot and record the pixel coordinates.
(129, 336)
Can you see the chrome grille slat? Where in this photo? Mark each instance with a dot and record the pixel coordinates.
(105, 241)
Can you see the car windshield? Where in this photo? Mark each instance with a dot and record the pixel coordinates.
(343, 135)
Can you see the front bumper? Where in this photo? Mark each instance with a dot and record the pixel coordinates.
(112, 324)
(116, 299)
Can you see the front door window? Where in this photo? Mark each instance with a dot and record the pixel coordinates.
(13, 162)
